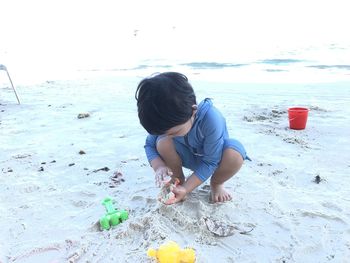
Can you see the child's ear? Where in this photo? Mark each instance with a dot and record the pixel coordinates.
(194, 109)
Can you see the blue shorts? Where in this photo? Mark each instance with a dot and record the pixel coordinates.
(191, 161)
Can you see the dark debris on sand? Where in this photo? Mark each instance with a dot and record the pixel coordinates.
(317, 179)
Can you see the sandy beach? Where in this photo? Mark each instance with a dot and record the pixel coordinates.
(56, 169)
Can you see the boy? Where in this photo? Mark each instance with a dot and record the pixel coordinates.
(182, 134)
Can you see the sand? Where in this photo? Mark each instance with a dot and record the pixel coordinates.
(56, 169)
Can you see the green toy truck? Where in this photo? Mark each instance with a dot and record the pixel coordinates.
(113, 216)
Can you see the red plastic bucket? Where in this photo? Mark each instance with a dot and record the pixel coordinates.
(297, 117)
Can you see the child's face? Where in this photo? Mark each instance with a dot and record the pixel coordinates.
(180, 130)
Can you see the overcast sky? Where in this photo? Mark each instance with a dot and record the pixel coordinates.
(82, 32)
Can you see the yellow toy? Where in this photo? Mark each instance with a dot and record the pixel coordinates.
(172, 253)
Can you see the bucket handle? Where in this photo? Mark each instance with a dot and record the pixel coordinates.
(292, 119)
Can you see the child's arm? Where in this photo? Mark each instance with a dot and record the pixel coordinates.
(213, 128)
(150, 147)
(157, 163)
(191, 183)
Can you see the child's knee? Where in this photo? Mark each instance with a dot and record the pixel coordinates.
(236, 146)
(233, 158)
(165, 144)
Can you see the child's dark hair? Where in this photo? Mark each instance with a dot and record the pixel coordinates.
(164, 101)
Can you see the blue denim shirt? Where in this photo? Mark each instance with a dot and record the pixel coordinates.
(205, 139)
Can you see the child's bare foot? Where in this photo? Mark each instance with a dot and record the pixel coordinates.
(219, 193)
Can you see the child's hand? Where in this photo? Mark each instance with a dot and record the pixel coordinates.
(180, 193)
(163, 175)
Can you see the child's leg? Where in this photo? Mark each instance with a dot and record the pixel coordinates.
(230, 164)
(166, 149)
